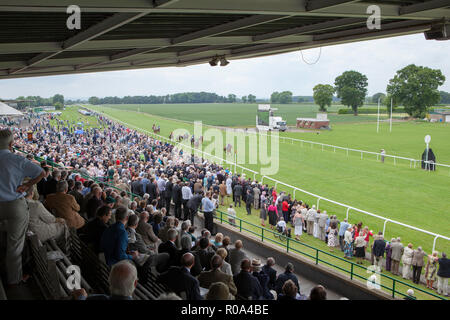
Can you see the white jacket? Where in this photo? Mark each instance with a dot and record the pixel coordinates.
(407, 255)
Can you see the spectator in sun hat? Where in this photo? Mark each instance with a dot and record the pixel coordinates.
(263, 279)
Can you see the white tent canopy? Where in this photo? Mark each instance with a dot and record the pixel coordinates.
(6, 110)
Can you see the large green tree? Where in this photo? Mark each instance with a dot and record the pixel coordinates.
(251, 98)
(323, 95)
(58, 98)
(351, 88)
(244, 99)
(416, 88)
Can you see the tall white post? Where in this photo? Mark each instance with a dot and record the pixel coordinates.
(390, 124)
(378, 115)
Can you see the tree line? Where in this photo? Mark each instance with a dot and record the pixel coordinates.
(184, 97)
(414, 87)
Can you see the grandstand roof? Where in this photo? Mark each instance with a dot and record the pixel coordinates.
(6, 110)
(134, 34)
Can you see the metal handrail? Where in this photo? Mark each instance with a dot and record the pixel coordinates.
(316, 257)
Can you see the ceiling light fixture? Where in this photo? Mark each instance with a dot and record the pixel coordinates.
(223, 61)
(213, 62)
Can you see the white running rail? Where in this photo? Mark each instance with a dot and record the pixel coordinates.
(276, 182)
(413, 162)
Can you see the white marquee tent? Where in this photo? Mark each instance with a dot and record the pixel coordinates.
(6, 110)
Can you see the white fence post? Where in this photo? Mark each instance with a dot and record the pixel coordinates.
(318, 200)
(434, 242)
(384, 227)
(348, 209)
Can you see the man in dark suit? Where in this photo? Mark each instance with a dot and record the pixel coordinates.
(237, 194)
(136, 187)
(177, 199)
(92, 232)
(193, 205)
(152, 190)
(180, 280)
(287, 275)
(204, 253)
(271, 272)
(170, 247)
(249, 201)
(50, 186)
(236, 256)
(248, 287)
(168, 194)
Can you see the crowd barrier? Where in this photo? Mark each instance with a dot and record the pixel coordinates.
(319, 256)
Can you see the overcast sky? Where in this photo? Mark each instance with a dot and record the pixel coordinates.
(377, 59)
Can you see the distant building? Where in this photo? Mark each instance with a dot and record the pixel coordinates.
(440, 115)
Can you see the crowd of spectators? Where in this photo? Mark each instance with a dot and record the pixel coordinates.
(144, 232)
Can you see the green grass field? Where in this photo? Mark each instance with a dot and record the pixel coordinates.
(238, 114)
(410, 196)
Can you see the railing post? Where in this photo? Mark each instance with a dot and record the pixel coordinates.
(434, 242)
(317, 256)
(393, 288)
(384, 227)
(240, 225)
(262, 234)
(221, 214)
(347, 152)
(318, 200)
(361, 155)
(351, 272)
(287, 244)
(348, 209)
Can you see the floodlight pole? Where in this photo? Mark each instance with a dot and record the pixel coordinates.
(390, 124)
(378, 115)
